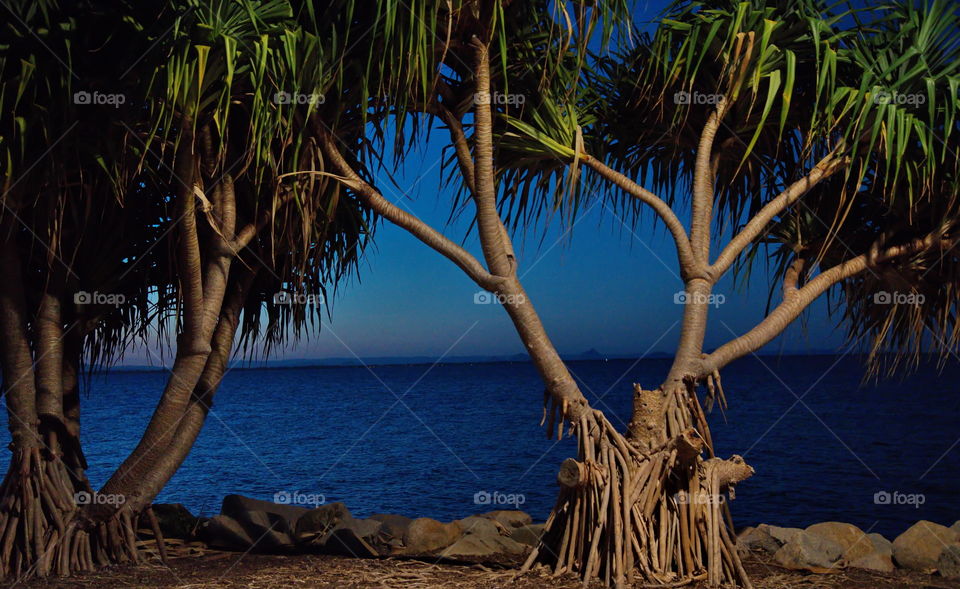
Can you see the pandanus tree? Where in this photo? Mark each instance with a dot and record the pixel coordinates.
(790, 131)
(817, 141)
(167, 211)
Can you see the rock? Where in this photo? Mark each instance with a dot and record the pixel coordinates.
(347, 542)
(756, 539)
(334, 530)
(225, 533)
(956, 527)
(919, 547)
(174, 519)
(854, 542)
(317, 523)
(810, 552)
(948, 564)
(781, 535)
(528, 535)
(483, 547)
(235, 505)
(511, 519)
(875, 561)
(270, 531)
(393, 525)
(425, 535)
(476, 524)
(881, 544)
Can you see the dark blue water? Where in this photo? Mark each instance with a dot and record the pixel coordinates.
(457, 430)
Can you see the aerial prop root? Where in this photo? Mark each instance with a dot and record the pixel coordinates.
(621, 512)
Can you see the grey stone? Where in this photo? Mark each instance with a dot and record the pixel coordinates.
(483, 546)
(393, 525)
(751, 538)
(235, 505)
(881, 544)
(270, 531)
(948, 563)
(810, 552)
(174, 519)
(528, 535)
(855, 543)
(510, 518)
(919, 547)
(224, 533)
(875, 561)
(425, 535)
(315, 524)
(476, 524)
(781, 535)
(347, 542)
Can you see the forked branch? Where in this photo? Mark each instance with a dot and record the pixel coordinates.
(798, 299)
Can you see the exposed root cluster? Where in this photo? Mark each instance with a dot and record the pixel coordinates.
(660, 512)
(43, 530)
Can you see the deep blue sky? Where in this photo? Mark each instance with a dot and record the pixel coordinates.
(602, 286)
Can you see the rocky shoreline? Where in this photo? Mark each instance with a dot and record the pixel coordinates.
(502, 537)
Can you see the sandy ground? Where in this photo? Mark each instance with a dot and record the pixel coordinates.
(254, 571)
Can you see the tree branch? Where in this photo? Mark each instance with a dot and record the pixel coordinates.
(796, 300)
(489, 225)
(701, 215)
(661, 208)
(823, 170)
(428, 235)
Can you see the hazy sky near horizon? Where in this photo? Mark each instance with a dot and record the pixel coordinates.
(599, 284)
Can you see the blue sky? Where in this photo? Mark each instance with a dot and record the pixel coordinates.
(602, 286)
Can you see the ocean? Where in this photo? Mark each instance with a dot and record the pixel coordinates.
(451, 440)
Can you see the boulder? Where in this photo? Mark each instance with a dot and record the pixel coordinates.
(751, 538)
(919, 547)
(881, 544)
(781, 535)
(235, 505)
(393, 525)
(317, 523)
(956, 527)
(881, 559)
(854, 542)
(174, 519)
(483, 546)
(425, 535)
(948, 563)
(875, 561)
(347, 541)
(334, 530)
(528, 535)
(224, 533)
(510, 519)
(476, 524)
(809, 552)
(270, 531)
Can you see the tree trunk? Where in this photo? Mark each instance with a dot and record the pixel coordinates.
(40, 495)
(648, 501)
